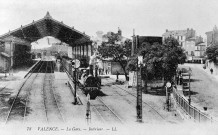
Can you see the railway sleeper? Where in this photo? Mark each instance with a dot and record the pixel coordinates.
(18, 101)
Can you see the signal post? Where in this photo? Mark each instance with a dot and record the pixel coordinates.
(139, 89)
(75, 65)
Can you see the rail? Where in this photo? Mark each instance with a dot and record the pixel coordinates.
(119, 119)
(43, 91)
(190, 110)
(27, 98)
(16, 96)
(55, 98)
(32, 68)
(145, 103)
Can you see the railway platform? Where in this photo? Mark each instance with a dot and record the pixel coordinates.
(12, 81)
(75, 114)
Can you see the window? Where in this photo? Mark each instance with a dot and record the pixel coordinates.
(181, 37)
(2, 47)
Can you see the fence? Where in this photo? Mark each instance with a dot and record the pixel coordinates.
(190, 110)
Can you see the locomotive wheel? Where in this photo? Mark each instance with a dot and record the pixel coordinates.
(98, 84)
(93, 94)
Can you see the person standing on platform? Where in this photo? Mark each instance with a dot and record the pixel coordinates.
(118, 76)
(211, 71)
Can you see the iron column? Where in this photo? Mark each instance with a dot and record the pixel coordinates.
(139, 91)
(75, 81)
(189, 99)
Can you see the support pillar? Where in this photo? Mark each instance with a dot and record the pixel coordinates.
(83, 50)
(87, 50)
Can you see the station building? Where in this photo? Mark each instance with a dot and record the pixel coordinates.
(18, 42)
(137, 41)
(212, 36)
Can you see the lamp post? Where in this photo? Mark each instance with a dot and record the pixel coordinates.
(11, 57)
(75, 80)
(75, 65)
(168, 85)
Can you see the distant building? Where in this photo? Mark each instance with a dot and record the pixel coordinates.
(212, 36)
(108, 65)
(10, 50)
(189, 42)
(180, 35)
(4, 57)
(189, 46)
(121, 38)
(200, 49)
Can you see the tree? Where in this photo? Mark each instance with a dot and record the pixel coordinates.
(161, 60)
(119, 52)
(212, 52)
(173, 55)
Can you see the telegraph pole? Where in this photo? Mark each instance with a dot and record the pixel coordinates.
(133, 45)
(139, 89)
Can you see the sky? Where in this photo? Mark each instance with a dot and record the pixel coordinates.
(147, 17)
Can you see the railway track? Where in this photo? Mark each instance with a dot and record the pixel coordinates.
(106, 113)
(144, 103)
(3, 87)
(28, 95)
(18, 108)
(52, 109)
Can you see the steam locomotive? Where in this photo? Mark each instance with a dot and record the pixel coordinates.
(88, 83)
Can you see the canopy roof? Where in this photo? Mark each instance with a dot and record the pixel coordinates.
(48, 26)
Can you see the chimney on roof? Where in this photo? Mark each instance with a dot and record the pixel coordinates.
(187, 29)
(166, 30)
(119, 31)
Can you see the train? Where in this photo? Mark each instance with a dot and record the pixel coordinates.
(86, 81)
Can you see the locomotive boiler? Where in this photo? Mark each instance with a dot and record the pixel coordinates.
(88, 83)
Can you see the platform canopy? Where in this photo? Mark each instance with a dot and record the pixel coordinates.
(48, 26)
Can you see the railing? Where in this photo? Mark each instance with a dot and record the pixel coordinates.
(190, 110)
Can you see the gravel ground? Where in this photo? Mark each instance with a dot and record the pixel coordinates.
(37, 114)
(127, 101)
(8, 88)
